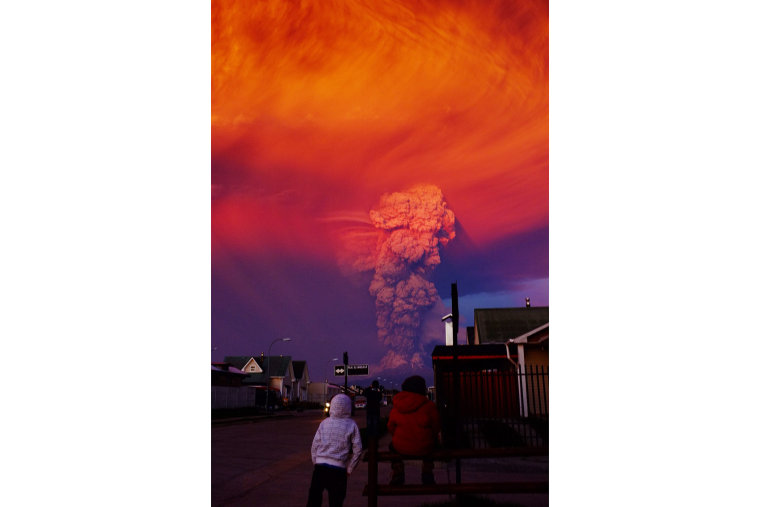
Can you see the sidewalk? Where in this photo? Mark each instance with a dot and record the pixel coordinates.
(481, 470)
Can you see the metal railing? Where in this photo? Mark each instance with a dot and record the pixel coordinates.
(494, 408)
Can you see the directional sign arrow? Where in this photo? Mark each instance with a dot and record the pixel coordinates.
(340, 371)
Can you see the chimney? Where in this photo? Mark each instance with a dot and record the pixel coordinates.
(527, 302)
(448, 319)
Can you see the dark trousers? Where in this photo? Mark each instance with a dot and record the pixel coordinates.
(397, 467)
(333, 479)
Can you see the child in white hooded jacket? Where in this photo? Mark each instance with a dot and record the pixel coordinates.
(335, 452)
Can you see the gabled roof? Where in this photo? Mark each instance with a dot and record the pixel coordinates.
(278, 365)
(497, 325)
(298, 368)
(535, 336)
(238, 362)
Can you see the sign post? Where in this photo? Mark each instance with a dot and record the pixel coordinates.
(345, 372)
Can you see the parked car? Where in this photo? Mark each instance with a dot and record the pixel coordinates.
(274, 398)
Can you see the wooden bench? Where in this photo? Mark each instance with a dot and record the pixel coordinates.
(372, 490)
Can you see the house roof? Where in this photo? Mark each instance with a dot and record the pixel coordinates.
(535, 336)
(490, 351)
(298, 368)
(497, 325)
(278, 366)
(237, 361)
(225, 366)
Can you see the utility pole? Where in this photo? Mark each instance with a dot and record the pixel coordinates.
(455, 365)
(268, 376)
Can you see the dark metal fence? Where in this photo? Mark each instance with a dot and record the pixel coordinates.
(494, 408)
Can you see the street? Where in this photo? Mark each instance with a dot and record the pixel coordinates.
(267, 462)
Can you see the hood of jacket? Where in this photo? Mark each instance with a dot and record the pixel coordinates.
(407, 401)
(340, 406)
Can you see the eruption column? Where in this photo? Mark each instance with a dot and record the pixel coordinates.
(413, 226)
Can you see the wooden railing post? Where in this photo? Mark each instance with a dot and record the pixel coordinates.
(372, 472)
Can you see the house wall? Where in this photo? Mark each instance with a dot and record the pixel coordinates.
(303, 386)
(535, 356)
(316, 392)
(300, 390)
(252, 366)
(226, 378)
(538, 386)
(281, 384)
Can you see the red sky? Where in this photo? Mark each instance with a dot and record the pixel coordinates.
(319, 108)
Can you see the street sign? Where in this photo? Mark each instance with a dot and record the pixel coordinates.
(353, 369)
(358, 369)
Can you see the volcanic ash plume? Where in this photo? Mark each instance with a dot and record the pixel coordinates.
(413, 226)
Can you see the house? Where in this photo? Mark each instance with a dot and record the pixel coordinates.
(224, 374)
(525, 332)
(290, 378)
(227, 389)
(301, 381)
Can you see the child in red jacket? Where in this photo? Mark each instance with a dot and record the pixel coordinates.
(414, 425)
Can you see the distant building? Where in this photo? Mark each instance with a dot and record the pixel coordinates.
(320, 392)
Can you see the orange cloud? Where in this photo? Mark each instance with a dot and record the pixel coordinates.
(378, 96)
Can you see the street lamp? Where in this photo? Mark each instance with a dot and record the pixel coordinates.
(269, 352)
(324, 398)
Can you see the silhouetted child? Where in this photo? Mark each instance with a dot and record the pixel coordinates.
(336, 438)
(414, 424)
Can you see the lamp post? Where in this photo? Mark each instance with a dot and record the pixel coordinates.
(269, 352)
(327, 372)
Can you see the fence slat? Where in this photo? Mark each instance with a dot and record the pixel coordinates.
(496, 408)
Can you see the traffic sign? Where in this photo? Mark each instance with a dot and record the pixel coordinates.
(353, 369)
(358, 369)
